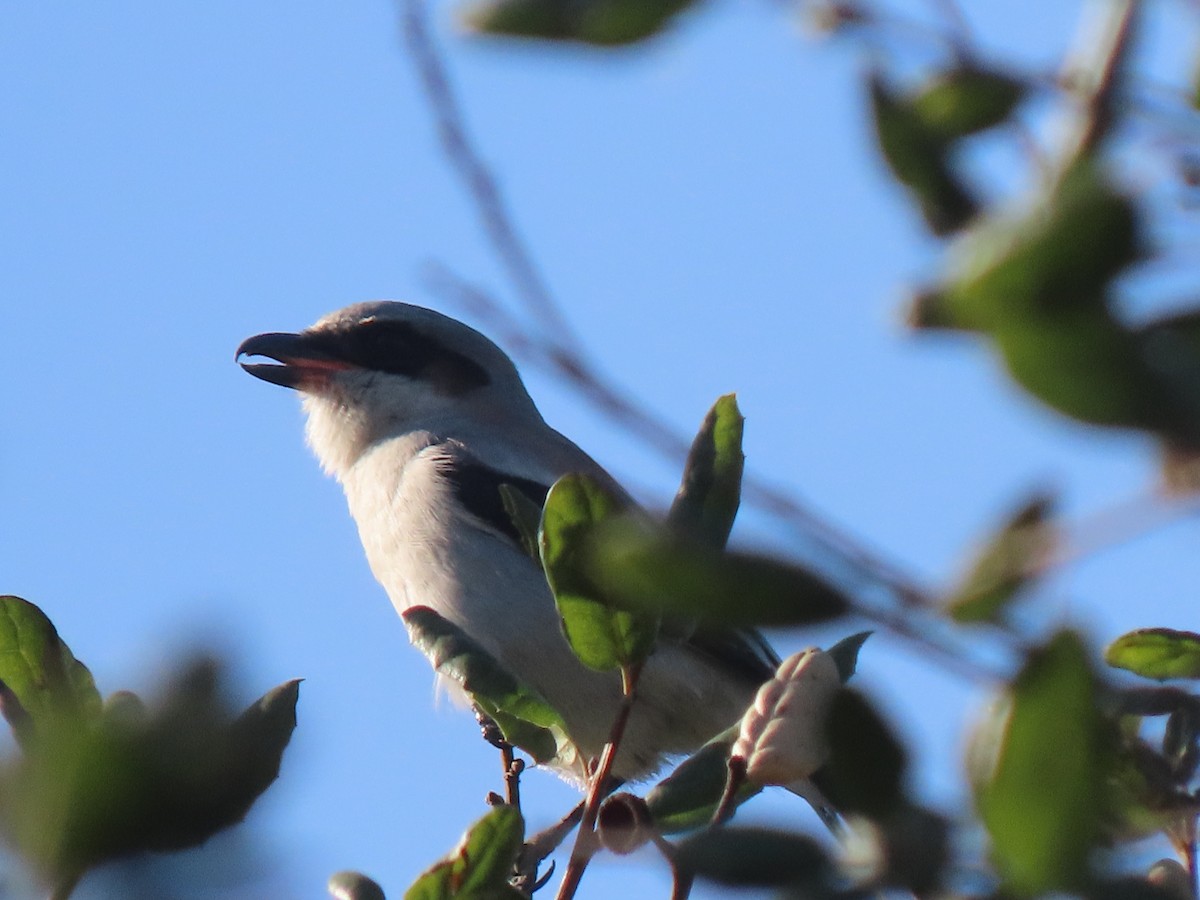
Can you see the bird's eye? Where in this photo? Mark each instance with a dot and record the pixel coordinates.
(401, 349)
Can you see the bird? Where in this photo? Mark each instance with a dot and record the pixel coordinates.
(422, 419)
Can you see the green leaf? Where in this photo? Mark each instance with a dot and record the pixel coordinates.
(480, 866)
(1158, 653)
(757, 857)
(845, 653)
(867, 763)
(600, 22)
(967, 100)
(918, 157)
(353, 886)
(1040, 771)
(164, 779)
(650, 569)
(688, 797)
(708, 498)
(525, 719)
(1060, 256)
(1008, 563)
(39, 668)
(526, 516)
(603, 637)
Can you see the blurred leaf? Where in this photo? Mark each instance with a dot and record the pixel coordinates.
(967, 100)
(1144, 794)
(526, 516)
(688, 797)
(867, 763)
(918, 157)
(757, 857)
(1180, 743)
(1042, 796)
(1007, 563)
(39, 668)
(602, 22)
(1158, 653)
(1060, 256)
(480, 866)
(524, 718)
(708, 499)
(914, 845)
(604, 638)
(353, 886)
(1088, 366)
(127, 784)
(650, 569)
(845, 653)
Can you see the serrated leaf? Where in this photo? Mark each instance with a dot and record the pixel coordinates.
(967, 100)
(353, 886)
(867, 763)
(1006, 565)
(39, 668)
(845, 653)
(525, 719)
(650, 569)
(602, 636)
(918, 158)
(1042, 796)
(708, 499)
(757, 857)
(1157, 653)
(480, 866)
(599, 22)
(688, 797)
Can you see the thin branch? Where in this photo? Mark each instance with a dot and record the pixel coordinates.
(586, 840)
(1103, 44)
(681, 881)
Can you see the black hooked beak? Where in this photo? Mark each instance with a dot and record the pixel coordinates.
(300, 360)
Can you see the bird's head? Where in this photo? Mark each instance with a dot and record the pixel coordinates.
(374, 371)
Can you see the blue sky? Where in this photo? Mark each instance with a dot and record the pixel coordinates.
(711, 214)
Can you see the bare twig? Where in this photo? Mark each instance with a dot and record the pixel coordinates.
(1094, 72)
(681, 881)
(733, 783)
(586, 840)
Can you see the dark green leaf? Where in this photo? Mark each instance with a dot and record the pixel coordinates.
(603, 637)
(647, 569)
(688, 797)
(710, 494)
(1007, 564)
(480, 866)
(601, 22)
(756, 857)
(845, 653)
(39, 668)
(1158, 653)
(526, 517)
(1040, 771)
(967, 100)
(165, 780)
(1061, 256)
(918, 157)
(354, 886)
(525, 719)
(914, 844)
(866, 769)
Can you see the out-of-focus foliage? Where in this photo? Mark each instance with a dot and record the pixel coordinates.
(94, 783)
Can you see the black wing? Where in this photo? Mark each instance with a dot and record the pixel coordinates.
(477, 488)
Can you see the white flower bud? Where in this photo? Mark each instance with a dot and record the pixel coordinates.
(782, 736)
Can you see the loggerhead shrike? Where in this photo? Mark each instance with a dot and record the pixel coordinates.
(422, 419)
